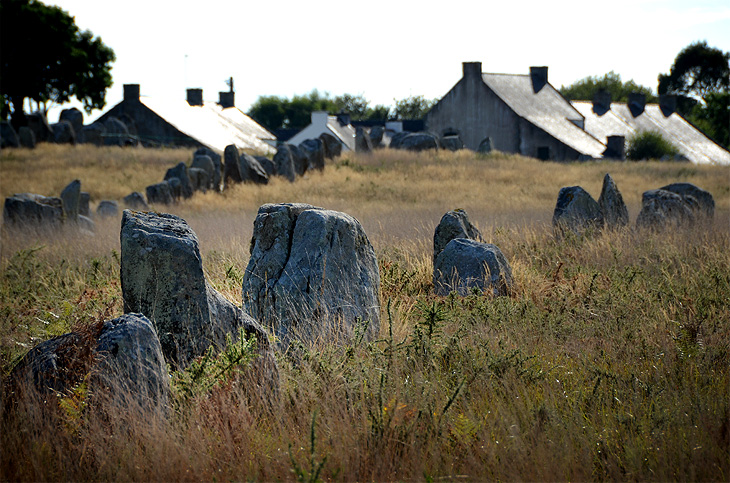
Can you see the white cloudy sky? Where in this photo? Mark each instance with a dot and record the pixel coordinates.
(386, 49)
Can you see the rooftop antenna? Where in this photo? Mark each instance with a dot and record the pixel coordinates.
(229, 83)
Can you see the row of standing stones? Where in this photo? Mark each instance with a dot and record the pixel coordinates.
(207, 171)
(312, 276)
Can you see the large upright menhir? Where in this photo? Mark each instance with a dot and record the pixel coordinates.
(312, 275)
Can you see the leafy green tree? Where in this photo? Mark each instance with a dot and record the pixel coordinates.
(698, 70)
(269, 111)
(700, 77)
(46, 58)
(586, 88)
(412, 107)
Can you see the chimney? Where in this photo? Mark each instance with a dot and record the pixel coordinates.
(343, 118)
(668, 104)
(601, 102)
(195, 97)
(539, 77)
(615, 148)
(131, 92)
(226, 99)
(472, 69)
(637, 102)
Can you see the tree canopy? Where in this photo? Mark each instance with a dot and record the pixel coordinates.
(700, 77)
(585, 89)
(46, 58)
(698, 71)
(274, 112)
(413, 107)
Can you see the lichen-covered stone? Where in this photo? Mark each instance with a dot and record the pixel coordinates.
(464, 265)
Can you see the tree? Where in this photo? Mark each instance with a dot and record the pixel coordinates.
(46, 58)
(586, 88)
(412, 107)
(698, 70)
(700, 77)
(275, 112)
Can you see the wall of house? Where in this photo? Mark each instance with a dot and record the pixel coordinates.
(151, 129)
(475, 112)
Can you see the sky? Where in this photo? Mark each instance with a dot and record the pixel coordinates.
(385, 50)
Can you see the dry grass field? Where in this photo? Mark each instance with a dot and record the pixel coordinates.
(611, 361)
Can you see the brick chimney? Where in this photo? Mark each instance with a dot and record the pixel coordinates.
(472, 69)
(637, 102)
(195, 97)
(131, 92)
(601, 102)
(226, 99)
(668, 104)
(539, 77)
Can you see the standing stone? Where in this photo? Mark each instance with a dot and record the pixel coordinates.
(377, 133)
(159, 193)
(84, 199)
(313, 150)
(363, 144)
(75, 117)
(136, 201)
(204, 162)
(252, 170)
(198, 179)
(93, 134)
(217, 176)
(704, 198)
(454, 224)
(162, 277)
(397, 140)
(615, 213)
(452, 143)
(419, 141)
(300, 160)
(661, 209)
(232, 165)
(116, 132)
(486, 146)
(267, 164)
(312, 275)
(284, 161)
(576, 211)
(332, 146)
(28, 209)
(180, 171)
(123, 358)
(38, 123)
(464, 265)
(175, 188)
(63, 133)
(27, 138)
(70, 197)
(8, 136)
(107, 209)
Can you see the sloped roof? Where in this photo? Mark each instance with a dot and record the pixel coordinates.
(547, 109)
(212, 125)
(690, 142)
(345, 134)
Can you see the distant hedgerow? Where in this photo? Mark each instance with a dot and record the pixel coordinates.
(649, 145)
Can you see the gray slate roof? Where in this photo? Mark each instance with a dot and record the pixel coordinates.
(546, 109)
(688, 140)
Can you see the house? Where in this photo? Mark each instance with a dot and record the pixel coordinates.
(604, 120)
(191, 121)
(525, 114)
(521, 114)
(337, 126)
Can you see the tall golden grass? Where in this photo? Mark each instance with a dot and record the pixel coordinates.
(611, 360)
